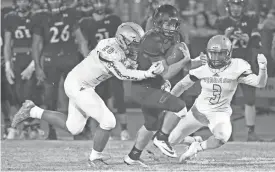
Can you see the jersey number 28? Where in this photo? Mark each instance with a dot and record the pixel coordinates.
(60, 34)
(217, 89)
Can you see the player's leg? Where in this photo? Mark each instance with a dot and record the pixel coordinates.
(187, 125)
(249, 94)
(152, 123)
(118, 94)
(221, 128)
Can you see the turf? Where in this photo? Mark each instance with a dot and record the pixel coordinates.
(61, 155)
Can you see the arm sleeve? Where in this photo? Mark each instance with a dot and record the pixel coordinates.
(121, 72)
(182, 85)
(254, 80)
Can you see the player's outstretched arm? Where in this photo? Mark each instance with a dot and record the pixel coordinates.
(121, 72)
(7, 56)
(37, 47)
(183, 85)
(82, 42)
(252, 79)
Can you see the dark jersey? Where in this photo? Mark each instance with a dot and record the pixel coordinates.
(95, 31)
(154, 47)
(20, 28)
(57, 30)
(247, 24)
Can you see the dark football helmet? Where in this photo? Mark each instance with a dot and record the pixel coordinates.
(166, 20)
(236, 8)
(219, 51)
(54, 5)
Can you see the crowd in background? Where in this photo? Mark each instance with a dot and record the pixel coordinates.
(197, 24)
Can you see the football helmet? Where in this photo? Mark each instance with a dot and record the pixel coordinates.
(54, 5)
(129, 37)
(100, 6)
(219, 51)
(22, 5)
(236, 8)
(166, 20)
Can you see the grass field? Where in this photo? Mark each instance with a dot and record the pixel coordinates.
(72, 155)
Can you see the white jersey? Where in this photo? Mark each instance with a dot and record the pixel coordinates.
(218, 88)
(105, 61)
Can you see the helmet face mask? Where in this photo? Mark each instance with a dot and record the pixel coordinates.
(219, 51)
(166, 20)
(235, 8)
(129, 37)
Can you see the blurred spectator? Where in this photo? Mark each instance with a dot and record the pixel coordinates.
(212, 17)
(200, 34)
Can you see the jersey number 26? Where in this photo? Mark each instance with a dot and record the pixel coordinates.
(60, 34)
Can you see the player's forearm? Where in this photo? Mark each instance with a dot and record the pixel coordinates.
(82, 43)
(7, 47)
(37, 46)
(182, 86)
(195, 63)
(258, 81)
(123, 73)
(175, 68)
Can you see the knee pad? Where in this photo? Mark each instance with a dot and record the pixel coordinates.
(182, 113)
(74, 128)
(222, 131)
(108, 122)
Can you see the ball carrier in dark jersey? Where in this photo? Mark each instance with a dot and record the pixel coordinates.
(149, 93)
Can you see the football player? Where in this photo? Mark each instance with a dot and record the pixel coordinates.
(54, 33)
(219, 80)
(152, 94)
(242, 31)
(111, 57)
(101, 25)
(17, 51)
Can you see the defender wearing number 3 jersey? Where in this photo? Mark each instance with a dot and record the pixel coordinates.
(111, 57)
(219, 80)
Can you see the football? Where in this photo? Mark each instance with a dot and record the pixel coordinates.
(175, 53)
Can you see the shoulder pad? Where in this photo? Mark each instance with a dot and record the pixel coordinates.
(151, 43)
(109, 50)
(198, 72)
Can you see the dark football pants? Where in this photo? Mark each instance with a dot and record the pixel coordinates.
(153, 102)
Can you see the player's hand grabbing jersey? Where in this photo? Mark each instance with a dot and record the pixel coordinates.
(57, 31)
(248, 24)
(154, 47)
(105, 61)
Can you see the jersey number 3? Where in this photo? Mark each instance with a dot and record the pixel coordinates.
(217, 89)
(60, 34)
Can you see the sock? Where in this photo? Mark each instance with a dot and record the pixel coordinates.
(94, 154)
(135, 153)
(251, 128)
(250, 115)
(162, 136)
(123, 127)
(36, 112)
(100, 139)
(211, 143)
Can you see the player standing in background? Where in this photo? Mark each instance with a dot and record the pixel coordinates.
(102, 25)
(111, 57)
(219, 80)
(242, 29)
(54, 49)
(153, 94)
(5, 86)
(18, 62)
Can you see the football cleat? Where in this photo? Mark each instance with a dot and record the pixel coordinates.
(12, 133)
(165, 147)
(252, 137)
(189, 139)
(98, 161)
(124, 135)
(129, 161)
(192, 151)
(23, 113)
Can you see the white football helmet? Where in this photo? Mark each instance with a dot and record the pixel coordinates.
(129, 37)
